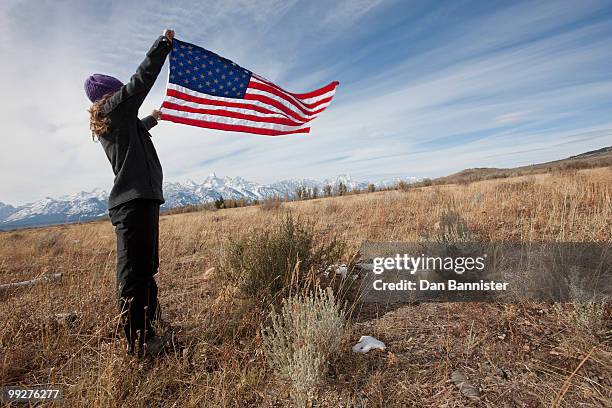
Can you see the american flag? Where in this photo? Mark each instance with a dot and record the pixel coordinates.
(210, 91)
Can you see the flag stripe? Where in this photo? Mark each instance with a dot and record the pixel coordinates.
(215, 101)
(189, 94)
(280, 104)
(181, 102)
(231, 114)
(305, 107)
(231, 121)
(230, 127)
(256, 106)
(327, 88)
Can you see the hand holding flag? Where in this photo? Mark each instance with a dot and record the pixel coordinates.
(210, 91)
(169, 34)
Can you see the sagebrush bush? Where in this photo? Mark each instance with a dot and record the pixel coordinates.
(589, 313)
(277, 259)
(51, 242)
(271, 204)
(301, 339)
(453, 228)
(589, 316)
(450, 229)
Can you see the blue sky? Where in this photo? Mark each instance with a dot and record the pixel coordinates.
(426, 88)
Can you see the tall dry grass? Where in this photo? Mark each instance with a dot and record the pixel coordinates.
(519, 355)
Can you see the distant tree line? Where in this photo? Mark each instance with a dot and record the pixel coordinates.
(301, 193)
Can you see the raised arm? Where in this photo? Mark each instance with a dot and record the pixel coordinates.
(132, 94)
(151, 120)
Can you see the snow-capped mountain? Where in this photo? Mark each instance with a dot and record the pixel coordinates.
(394, 181)
(6, 210)
(71, 208)
(291, 186)
(89, 205)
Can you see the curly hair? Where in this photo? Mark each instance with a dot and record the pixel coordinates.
(98, 120)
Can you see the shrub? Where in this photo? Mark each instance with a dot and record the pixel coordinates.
(589, 313)
(219, 203)
(271, 204)
(272, 261)
(51, 242)
(332, 208)
(589, 316)
(403, 186)
(452, 228)
(302, 337)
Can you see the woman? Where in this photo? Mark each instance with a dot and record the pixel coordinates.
(136, 195)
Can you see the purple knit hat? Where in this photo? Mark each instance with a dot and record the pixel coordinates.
(98, 85)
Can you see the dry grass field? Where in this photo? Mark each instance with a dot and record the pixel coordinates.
(515, 355)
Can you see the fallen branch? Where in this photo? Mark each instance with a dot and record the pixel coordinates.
(568, 381)
(54, 277)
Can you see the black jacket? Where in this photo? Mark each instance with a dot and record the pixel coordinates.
(128, 146)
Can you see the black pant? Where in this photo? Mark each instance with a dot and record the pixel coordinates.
(137, 228)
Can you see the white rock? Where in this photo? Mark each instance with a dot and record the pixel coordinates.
(367, 343)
